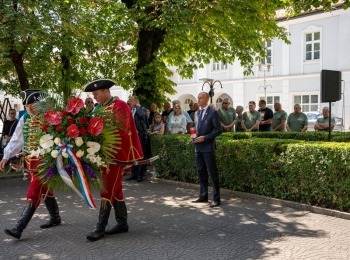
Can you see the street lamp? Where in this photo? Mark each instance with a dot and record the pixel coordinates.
(211, 83)
(264, 68)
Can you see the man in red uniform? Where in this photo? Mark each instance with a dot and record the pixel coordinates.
(36, 189)
(130, 151)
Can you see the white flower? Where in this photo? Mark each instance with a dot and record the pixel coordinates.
(46, 141)
(98, 160)
(54, 153)
(93, 147)
(91, 157)
(57, 141)
(80, 153)
(79, 141)
(65, 155)
(34, 153)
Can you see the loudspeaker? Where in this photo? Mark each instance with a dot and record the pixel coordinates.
(330, 85)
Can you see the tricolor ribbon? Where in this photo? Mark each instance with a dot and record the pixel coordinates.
(85, 192)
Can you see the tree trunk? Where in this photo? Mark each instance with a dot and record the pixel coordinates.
(145, 77)
(17, 60)
(66, 76)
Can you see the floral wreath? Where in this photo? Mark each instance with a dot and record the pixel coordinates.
(73, 146)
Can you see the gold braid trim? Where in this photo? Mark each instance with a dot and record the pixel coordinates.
(34, 130)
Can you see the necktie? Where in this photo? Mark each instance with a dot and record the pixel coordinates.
(200, 115)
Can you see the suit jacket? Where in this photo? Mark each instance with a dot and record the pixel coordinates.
(209, 127)
(141, 122)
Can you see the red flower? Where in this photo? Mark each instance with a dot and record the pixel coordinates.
(64, 113)
(44, 127)
(74, 105)
(84, 120)
(71, 121)
(58, 128)
(53, 117)
(83, 130)
(96, 125)
(73, 131)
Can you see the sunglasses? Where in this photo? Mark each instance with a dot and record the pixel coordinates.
(225, 103)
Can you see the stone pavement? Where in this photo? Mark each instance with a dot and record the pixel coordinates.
(165, 225)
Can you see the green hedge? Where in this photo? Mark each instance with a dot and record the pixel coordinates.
(278, 165)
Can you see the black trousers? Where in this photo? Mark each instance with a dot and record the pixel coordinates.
(206, 165)
(139, 171)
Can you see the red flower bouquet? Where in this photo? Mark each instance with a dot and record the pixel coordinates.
(81, 141)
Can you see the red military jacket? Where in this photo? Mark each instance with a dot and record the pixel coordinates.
(130, 147)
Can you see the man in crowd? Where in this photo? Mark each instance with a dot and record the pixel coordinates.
(9, 127)
(195, 109)
(36, 189)
(130, 151)
(166, 112)
(266, 115)
(191, 108)
(89, 104)
(239, 118)
(152, 111)
(208, 128)
(322, 124)
(139, 171)
(251, 119)
(227, 116)
(297, 121)
(279, 118)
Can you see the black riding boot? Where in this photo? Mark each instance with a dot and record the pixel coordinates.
(52, 207)
(23, 221)
(121, 216)
(105, 210)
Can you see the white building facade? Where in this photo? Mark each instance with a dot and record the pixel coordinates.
(290, 74)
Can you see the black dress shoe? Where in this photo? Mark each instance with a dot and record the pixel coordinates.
(139, 179)
(215, 204)
(199, 200)
(131, 178)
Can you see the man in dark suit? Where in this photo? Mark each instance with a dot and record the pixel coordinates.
(208, 128)
(141, 123)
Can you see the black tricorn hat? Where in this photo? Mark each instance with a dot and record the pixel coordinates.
(99, 84)
(30, 96)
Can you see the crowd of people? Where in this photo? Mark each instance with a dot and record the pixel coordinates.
(174, 120)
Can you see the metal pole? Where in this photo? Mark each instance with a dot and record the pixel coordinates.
(329, 121)
(265, 87)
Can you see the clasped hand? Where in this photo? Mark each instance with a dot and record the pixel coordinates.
(198, 139)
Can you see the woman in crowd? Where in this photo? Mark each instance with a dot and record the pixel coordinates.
(177, 123)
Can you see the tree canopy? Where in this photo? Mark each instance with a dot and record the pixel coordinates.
(62, 45)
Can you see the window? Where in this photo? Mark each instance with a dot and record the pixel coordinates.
(270, 100)
(312, 46)
(268, 58)
(307, 102)
(219, 66)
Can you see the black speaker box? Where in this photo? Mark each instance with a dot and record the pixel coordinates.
(330, 85)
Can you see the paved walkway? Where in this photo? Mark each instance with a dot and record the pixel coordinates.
(165, 225)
